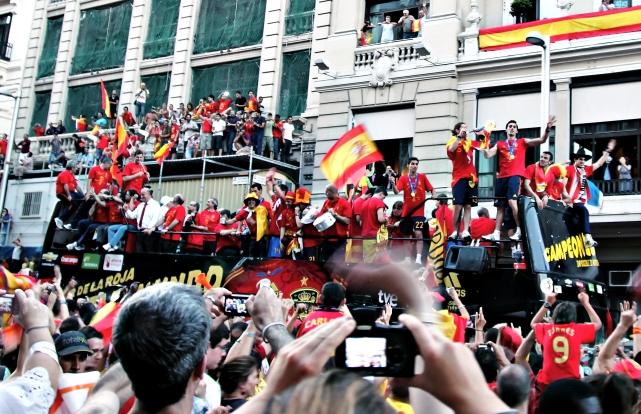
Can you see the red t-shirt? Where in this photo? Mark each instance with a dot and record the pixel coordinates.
(211, 220)
(3, 146)
(131, 169)
(463, 162)
(370, 216)
(356, 229)
(206, 125)
(103, 142)
(249, 128)
(195, 238)
(101, 215)
(242, 215)
(115, 214)
(274, 228)
(317, 318)
(128, 118)
(211, 107)
(174, 213)
(562, 349)
(252, 104)
(226, 241)
(40, 132)
(66, 177)
(508, 166)
(174, 133)
(554, 190)
(223, 104)
(100, 179)
(342, 208)
(422, 184)
(573, 185)
(287, 219)
(277, 133)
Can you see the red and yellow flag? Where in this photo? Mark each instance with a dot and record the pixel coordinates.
(163, 152)
(105, 100)
(121, 144)
(416, 25)
(577, 26)
(103, 320)
(351, 152)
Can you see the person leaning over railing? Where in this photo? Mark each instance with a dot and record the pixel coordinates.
(117, 231)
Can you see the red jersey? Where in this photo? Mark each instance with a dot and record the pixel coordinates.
(555, 190)
(3, 146)
(317, 318)
(115, 214)
(279, 207)
(577, 185)
(128, 118)
(342, 208)
(175, 129)
(252, 105)
(103, 142)
(249, 128)
(511, 157)
(211, 220)
(481, 226)
(355, 229)
(243, 215)
(418, 185)
(174, 213)
(223, 104)
(211, 108)
(444, 215)
(287, 219)
(206, 125)
(371, 225)
(278, 133)
(101, 214)
(538, 179)
(40, 132)
(562, 349)
(463, 161)
(195, 238)
(131, 169)
(66, 177)
(100, 179)
(226, 241)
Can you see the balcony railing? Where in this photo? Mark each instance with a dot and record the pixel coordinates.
(364, 56)
(619, 187)
(5, 51)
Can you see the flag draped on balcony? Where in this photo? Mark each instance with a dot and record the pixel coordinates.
(576, 26)
(352, 151)
(106, 106)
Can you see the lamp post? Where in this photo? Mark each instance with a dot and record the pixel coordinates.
(537, 39)
(12, 137)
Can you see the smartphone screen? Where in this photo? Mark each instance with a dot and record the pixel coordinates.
(7, 305)
(365, 352)
(235, 305)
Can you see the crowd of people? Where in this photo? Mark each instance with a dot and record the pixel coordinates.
(173, 349)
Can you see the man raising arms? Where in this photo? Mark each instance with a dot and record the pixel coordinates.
(511, 153)
(464, 177)
(414, 187)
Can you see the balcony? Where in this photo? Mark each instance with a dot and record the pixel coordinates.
(619, 187)
(5, 51)
(365, 56)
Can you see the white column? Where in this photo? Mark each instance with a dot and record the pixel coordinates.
(271, 55)
(180, 83)
(563, 119)
(470, 105)
(133, 56)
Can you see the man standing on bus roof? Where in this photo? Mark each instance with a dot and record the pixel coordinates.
(146, 216)
(511, 154)
(135, 174)
(414, 187)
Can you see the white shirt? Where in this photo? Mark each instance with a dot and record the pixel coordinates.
(141, 96)
(219, 127)
(212, 392)
(152, 214)
(32, 393)
(288, 131)
(189, 134)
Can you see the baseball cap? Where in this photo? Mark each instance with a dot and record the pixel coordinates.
(71, 342)
(165, 200)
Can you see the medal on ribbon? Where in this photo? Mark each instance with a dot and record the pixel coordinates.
(510, 148)
(413, 184)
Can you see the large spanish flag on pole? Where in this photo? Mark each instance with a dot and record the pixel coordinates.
(105, 100)
(576, 26)
(352, 151)
(121, 144)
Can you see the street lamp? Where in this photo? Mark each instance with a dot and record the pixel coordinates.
(12, 137)
(537, 39)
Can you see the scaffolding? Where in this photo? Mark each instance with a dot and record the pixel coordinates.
(294, 83)
(47, 62)
(161, 32)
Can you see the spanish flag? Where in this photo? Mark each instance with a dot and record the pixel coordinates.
(122, 142)
(163, 152)
(577, 26)
(103, 320)
(105, 100)
(416, 25)
(352, 151)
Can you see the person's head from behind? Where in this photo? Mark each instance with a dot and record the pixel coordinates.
(483, 212)
(569, 396)
(95, 340)
(565, 312)
(513, 385)
(239, 377)
(69, 324)
(161, 337)
(488, 363)
(333, 294)
(72, 350)
(236, 330)
(334, 391)
(615, 391)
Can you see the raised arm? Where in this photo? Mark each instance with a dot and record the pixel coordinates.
(605, 155)
(524, 350)
(609, 349)
(454, 295)
(479, 324)
(533, 142)
(594, 318)
(538, 318)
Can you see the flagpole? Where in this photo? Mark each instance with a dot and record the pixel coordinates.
(202, 181)
(251, 162)
(160, 179)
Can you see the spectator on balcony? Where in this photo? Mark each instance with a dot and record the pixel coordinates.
(61, 128)
(101, 121)
(608, 170)
(173, 113)
(164, 112)
(102, 144)
(182, 111)
(606, 5)
(252, 103)
(24, 164)
(86, 158)
(406, 20)
(189, 129)
(127, 117)
(625, 176)
(240, 102)
(230, 132)
(242, 138)
(39, 130)
(150, 119)
(114, 100)
(218, 129)
(423, 16)
(81, 123)
(366, 34)
(268, 136)
(277, 130)
(190, 109)
(258, 124)
(288, 135)
(24, 145)
(61, 161)
(388, 30)
(56, 147)
(4, 141)
(206, 136)
(193, 144)
(51, 130)
(141, 96)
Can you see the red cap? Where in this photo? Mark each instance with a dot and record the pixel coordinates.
(290, 195)
(628, 367)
